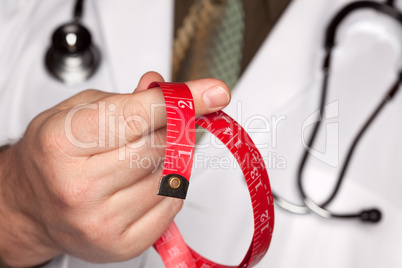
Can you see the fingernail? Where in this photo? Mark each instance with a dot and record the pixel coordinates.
(216, 97)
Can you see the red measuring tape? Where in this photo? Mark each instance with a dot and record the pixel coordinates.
(177, 170)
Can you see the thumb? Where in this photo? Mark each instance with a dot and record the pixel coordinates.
(138, 115)
(210, 95)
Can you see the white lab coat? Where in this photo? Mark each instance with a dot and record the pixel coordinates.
(275, 96)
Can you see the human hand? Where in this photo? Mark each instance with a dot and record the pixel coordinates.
(67, 185)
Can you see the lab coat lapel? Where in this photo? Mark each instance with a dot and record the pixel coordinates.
(264, 86)
(134, 48)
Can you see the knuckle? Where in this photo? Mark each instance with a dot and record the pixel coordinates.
(75, 127)
(92, 230)
(99, 231)
(50, 140)
(136, 117)
(88, 93)
(73, 195)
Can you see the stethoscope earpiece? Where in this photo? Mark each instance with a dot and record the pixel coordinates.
(372, 215)
(72, 58)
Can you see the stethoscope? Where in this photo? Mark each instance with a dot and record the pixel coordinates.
(370, 215)
(72, 59)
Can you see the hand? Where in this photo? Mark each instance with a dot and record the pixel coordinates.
(68, 187)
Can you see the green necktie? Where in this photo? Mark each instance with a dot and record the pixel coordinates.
(210, 42)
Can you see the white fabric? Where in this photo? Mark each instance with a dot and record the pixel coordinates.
(282, 83)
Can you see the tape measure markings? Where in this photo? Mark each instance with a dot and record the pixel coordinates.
(180, 146)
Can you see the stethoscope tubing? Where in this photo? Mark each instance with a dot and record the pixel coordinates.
(372, 215)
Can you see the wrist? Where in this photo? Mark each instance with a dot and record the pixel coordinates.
(23, 243)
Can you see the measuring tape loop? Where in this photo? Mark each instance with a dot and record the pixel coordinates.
(177, 170)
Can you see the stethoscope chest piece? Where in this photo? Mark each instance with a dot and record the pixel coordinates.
(72, 58)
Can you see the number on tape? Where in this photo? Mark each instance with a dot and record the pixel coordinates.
(177, 170)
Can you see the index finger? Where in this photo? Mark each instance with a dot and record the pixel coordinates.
(121, 119)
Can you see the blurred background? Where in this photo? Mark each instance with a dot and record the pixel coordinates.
(271, 54)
